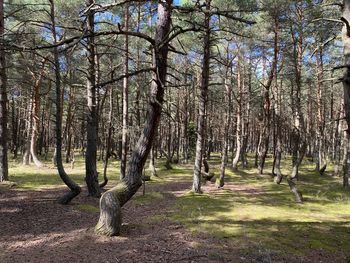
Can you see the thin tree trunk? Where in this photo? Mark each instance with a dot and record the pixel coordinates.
(226, 126)
(36, 114)
(239, 119)
(125, 97)
(74, 188)
(202, 103)
(91, 177)
(3, 101)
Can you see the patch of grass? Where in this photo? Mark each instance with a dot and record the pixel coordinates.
(88, 208)
(270, 216)
(147, 198)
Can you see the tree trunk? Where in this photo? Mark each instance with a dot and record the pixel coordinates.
(3, 101)
(346, 83)
(202, 103)
(74, 188)
(111, 201)
(239, 119)
(91, 177)
(36, 113)
(109, 137)
(228, 91)
(125, 96)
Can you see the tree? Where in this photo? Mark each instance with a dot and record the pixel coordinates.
(203, 97)
(92, 124)
(111, 201)
(3, 100)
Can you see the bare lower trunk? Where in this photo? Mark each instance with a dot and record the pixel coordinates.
(111, 201)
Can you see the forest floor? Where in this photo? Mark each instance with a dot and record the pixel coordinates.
(250, 220)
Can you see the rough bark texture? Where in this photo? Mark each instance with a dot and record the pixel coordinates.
(74, 188)
(202, 104)
(91, 128)
(3, 101)
(111, 201)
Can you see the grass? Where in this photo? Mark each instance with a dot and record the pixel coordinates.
(268, 217)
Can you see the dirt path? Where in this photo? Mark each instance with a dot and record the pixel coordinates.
(34, 228)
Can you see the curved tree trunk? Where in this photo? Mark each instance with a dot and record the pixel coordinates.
(111, 201)
(239, 117)
(74, 188)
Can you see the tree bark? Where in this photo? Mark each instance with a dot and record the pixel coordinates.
(228, 92)
(202, 103)
(3, 101)
(125, 96)
(91, 177)
(346, 84)
(36, 113)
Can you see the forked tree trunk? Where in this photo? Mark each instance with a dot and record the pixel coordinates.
(3, 101)
(91, 177)
(111, 201)
(74, 188)
(196, 187)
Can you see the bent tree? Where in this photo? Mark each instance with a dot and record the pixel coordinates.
(74, 188)
(111, 201)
